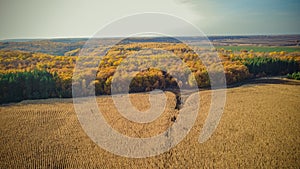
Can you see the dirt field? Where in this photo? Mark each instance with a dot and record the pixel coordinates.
(260, 127)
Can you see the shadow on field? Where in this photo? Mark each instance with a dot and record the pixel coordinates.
(178, 94)
(265, 80)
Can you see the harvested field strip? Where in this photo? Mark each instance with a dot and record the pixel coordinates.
(260, 127)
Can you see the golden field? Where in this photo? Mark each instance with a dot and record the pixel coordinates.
(260, 128)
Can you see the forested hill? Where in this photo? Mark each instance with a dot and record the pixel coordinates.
(53, 47)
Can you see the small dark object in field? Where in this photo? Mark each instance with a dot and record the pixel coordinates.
(173, 119)
(178, 101)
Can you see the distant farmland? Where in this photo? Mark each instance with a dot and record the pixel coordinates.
(261, 48)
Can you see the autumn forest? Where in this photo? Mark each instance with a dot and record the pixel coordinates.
(36, 75)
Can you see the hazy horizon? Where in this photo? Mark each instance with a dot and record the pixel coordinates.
(85, 37)
(41, 19)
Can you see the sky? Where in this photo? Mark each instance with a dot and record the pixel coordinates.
(21, 19)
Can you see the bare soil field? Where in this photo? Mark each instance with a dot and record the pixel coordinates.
(260, 128)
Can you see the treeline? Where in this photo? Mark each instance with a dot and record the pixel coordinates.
(295, 75)
(270, 66)
(144, 81)
(36, 84)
